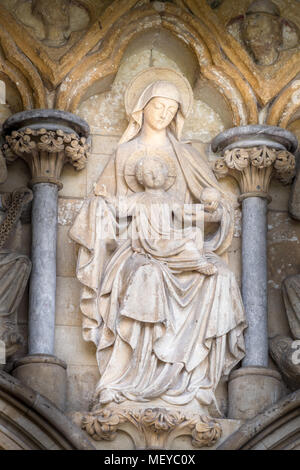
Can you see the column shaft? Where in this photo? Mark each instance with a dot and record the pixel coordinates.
(43, 276)
(254, 280)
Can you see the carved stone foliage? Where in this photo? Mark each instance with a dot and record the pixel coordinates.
(263, 32)
(46, 152)
(253, 167)
(157, 427)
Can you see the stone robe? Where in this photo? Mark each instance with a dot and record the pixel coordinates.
(159, 334)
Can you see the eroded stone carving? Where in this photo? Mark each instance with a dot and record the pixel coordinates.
(52, 22)
(162, 328)
(263, 32)
(284, 349)
(254, 167)
(14, 267)
(157, 427)
(284, 352)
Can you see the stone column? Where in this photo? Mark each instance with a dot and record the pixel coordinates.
(45, 140)
(253, 155)
(43, 276)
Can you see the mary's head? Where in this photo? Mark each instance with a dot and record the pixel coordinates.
(162, 104)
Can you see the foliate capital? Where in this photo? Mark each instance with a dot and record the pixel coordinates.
(46, 151)
(253, 168)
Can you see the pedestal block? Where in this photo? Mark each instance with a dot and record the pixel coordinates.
(251, 390)
(46, 374)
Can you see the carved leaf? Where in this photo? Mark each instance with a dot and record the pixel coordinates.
(237, 159)
(285, 166)
(262, 157)
(153, 423)
(206, 432)
(20, 142)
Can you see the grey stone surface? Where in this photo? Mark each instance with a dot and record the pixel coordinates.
(259, 431)
(45, 374)
(51, 119)
(251, 390)
(254, 135)
(254, 280)
(43, 276)
(42, 413)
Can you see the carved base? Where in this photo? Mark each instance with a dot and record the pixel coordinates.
(151, 428)
(251, 390)
(44, 373)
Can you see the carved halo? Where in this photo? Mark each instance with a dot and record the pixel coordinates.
(130, 168)
(148, 76)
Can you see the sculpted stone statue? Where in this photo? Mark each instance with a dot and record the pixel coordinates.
(14, 267)
(166, 316)
(52, 22)
(285, 350)
(264, 32)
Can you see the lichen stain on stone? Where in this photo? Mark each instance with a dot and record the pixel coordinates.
(67, 210)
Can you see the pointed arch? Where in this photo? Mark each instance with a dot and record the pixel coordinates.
(28, 421)
(21, 73)
(105, 62)
(285, 106)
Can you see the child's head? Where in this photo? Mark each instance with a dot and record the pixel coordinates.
(152, 172)
(209, 195)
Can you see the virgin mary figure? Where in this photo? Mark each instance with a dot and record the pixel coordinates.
(161, 336)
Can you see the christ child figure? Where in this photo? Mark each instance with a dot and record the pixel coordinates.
(162, 227)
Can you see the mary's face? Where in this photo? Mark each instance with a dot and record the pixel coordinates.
(160, 112)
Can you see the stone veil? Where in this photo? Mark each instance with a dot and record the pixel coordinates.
(160, 334)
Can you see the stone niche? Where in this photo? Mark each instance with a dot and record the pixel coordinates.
(103, 108)
(283, 247)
